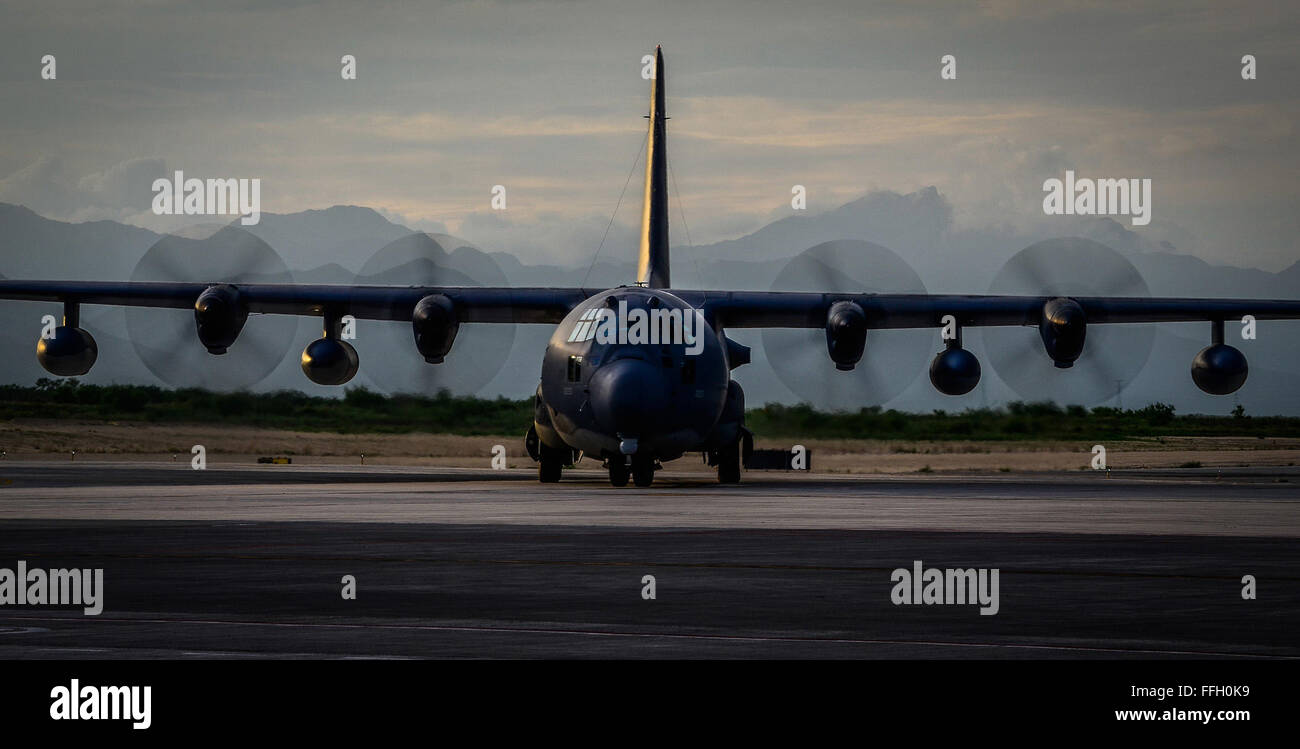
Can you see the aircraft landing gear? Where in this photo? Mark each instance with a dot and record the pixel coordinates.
(643, 471)
(551, 464)
(729, 464)
(618, 471)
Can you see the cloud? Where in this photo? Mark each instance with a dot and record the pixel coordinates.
(838, 96)
(44, 186)
(549, 237)
(48, 186)
(418, 224)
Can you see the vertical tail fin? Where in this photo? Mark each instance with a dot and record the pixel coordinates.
(652, 263)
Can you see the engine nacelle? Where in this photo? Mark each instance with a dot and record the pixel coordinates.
(72, 351)
(1063, 328)
(435, 326)
(219, 315)
(846, 334)
(329, 361)
(1219, 369)
(955, 371)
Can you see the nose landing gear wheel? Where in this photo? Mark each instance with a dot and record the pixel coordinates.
(618, 472)
(643, 472)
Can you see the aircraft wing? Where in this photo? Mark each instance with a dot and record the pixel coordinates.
(1062, 324)
(730, 309)
(436, 312)
(472, 304)
(782, 309)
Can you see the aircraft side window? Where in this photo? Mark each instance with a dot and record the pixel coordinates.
(688, 371)
(575, 368)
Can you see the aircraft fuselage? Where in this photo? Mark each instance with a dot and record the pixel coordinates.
(636, 374)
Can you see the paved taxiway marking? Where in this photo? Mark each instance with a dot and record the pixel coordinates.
(412, 494)
(607, 563)
(685, 636)
(21, 630)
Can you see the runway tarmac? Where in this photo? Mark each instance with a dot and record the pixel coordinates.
(240, 562)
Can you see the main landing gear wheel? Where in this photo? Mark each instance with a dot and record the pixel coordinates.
(551, 465)
(643, 472)
(618, 472)
(729, 464)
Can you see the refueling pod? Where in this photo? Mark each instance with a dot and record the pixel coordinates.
(70, 352)
(329, 361)
(1219, 369)
(954, 371)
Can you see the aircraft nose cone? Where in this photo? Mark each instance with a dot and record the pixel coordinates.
(628, 396)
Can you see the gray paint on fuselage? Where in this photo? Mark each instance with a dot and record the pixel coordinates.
(685, 407)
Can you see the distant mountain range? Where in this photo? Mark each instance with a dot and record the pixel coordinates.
(351, 244)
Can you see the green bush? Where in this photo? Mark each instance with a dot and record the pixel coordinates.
(360, 410)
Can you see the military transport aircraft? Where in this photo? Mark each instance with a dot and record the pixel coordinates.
(640, 374)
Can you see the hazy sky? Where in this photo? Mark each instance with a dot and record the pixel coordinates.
(546, 98)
